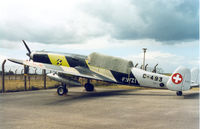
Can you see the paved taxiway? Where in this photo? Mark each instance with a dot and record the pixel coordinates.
(104, 109)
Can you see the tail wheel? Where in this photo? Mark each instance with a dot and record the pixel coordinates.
(179, 93)
(61, 90)
(89, 87)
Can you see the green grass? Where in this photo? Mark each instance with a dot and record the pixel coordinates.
(38, 83)
(18, 85)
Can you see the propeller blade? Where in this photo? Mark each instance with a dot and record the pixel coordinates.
(29, 51)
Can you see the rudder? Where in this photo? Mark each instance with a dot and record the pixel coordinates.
(180, 79)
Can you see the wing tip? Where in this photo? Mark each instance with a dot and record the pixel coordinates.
(16, 61)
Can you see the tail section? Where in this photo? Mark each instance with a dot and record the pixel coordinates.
(180, 79)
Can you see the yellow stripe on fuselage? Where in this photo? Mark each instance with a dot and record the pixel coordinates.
(58, 60)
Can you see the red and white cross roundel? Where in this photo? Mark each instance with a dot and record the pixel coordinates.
(177, 78)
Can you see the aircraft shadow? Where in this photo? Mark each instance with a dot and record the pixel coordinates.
(86, 96)
(191, 96)
(81, 96)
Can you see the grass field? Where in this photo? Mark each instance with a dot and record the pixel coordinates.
(38, 83)
(16, 83)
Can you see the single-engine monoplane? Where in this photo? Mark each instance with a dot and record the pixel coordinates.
(68, 68)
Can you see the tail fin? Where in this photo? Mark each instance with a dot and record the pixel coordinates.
(180, 79)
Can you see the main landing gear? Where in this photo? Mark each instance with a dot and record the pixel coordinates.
(61, 90)
(179, 93)
(88, 86)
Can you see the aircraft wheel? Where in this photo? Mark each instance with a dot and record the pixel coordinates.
(61, 90)
(179, 93)
(89, 87)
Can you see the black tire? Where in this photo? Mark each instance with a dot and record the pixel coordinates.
(89, 87)
(179, 93)
(61, 90)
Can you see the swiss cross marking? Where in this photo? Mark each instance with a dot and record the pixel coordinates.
(177, 78)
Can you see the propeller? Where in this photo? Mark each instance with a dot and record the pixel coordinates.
(28, 49)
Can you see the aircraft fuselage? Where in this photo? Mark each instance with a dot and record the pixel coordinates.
(75, 60)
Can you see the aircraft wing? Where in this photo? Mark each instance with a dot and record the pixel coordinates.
(77, 71)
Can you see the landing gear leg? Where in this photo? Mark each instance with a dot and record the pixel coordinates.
(89, 87)
(179, 93)
(61, 90)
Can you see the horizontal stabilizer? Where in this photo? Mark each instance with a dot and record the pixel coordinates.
(195, 77)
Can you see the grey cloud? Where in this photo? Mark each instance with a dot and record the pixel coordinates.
(65, 33)
(163, 20)
(51, 26)
(39, 33)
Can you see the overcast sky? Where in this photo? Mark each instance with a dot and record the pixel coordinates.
(169, 29)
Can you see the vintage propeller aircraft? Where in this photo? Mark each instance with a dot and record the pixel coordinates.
(69, 67)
